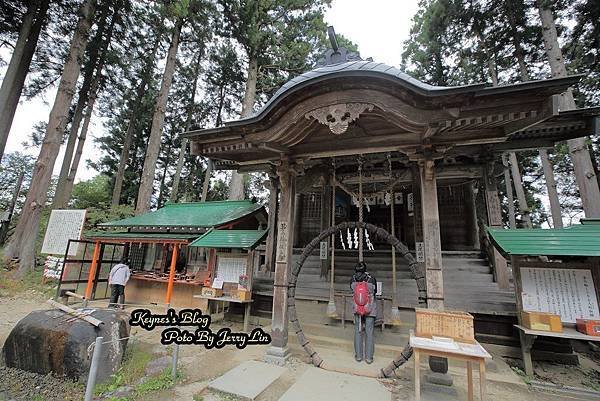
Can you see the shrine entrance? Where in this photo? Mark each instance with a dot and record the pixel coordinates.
(440, 144)
(379, 233)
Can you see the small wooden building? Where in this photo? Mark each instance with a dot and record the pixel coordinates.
(165, 267)
(434, 150)
(555, 271)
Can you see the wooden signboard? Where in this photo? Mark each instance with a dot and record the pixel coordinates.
(63, 226)
(569, 293)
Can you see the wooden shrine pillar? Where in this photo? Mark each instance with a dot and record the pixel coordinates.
(471, 199)
(494, 213)
(431, 236)
(278, 351)
(270, 244)
(92, 273)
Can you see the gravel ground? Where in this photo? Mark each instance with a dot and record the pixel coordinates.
(19, 385)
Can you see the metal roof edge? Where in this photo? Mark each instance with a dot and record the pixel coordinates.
(405, 81)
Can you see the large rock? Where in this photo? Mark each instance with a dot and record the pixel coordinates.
(51, 341)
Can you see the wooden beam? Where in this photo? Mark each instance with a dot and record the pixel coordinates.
(494, 211)
(431, 236)
(549, 109)
(77, 314)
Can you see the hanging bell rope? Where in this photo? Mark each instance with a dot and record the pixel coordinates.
(360, 209)
(331, 309)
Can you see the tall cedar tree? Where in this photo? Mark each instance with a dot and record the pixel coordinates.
(18, 68)
(275, 34)
(22, 243)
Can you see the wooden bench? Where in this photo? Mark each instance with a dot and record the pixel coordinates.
(528, 337)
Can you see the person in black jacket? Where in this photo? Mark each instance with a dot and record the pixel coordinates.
(361, 274)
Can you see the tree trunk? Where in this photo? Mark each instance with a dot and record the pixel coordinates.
(161, 193)
(139, 95)
(582, 163)
(516, 174)
(93, 69)
(509, 193)
(206, 183)
(158, 120)
(546, 165)
(82, 137)
(23, 242)
(188, 122)
(236, 187)
(14, 78)
(11, 208)
(552, 194)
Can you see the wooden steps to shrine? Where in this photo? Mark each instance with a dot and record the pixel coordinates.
(468, 281)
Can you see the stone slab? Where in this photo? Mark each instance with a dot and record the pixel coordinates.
(322, 385)
(247, 380)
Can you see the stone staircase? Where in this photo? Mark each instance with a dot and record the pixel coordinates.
(468, 281)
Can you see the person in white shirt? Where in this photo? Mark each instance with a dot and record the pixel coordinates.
(117, 279)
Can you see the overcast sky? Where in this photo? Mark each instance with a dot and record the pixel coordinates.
(379, 27)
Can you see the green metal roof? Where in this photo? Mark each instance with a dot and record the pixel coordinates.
(590, 221)
(197, 214)
(578, 240)
(246, 239)
(130, 235)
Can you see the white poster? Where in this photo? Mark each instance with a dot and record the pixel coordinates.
(569, 293)
(230, 269)
(63, 226)
(420, 251)
(323, 250)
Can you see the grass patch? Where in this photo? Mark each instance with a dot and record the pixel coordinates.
(11, 286)
(163, 381)
(518, 371)
(132, 371)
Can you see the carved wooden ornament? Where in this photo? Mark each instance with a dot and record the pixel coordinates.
(338, 116)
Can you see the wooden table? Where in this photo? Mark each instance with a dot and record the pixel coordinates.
(528, 337)
(470, 353)
(247, 305)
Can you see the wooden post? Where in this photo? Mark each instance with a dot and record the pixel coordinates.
(92, 272)
(472, 199)
(518, 182)
(431, 236)
(551, 186)
(270, 245)
(509, 193)
(495, 221)
(278, 351)
(172, 274)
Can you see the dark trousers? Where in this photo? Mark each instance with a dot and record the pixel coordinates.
(364, 344)
(117, 293)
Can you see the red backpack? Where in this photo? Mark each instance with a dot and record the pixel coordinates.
(362, 299)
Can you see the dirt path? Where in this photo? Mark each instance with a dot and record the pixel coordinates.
(14, 309)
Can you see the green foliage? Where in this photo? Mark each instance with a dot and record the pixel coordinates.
(94, 192)
(131, 371)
